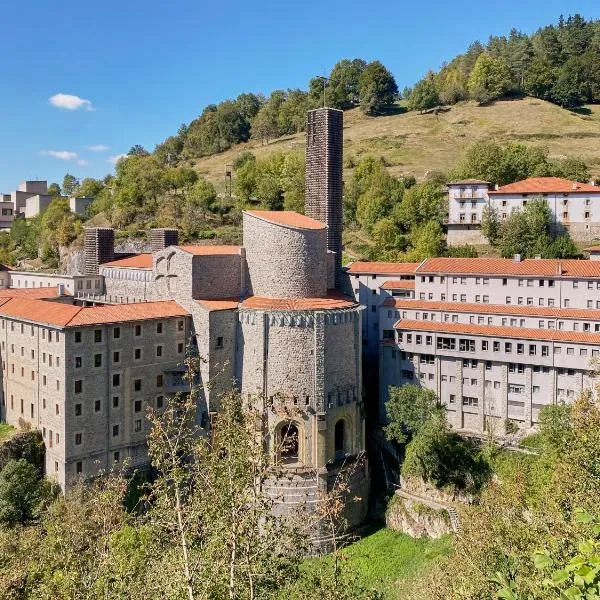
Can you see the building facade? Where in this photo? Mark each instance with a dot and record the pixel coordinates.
(83, 360)
(495, 339)
(575, 206)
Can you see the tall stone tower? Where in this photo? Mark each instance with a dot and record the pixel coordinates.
(324, 153)
(99, 247)
(163, 238)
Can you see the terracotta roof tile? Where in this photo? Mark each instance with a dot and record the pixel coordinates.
(33, 293)
(592, 249)
(531, 267)
(69, 315)
(288, 218)
(400, 284)
(40, 311)
(587, 314)
(138, 261)
(551, 335)
(334, 300)
(208, 250)
(120, 313)
(221, 304)
(545, 185)
(382, 268)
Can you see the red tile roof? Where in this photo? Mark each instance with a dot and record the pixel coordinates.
(334, 300)
(138, 261)
(39, 292)
(382, 268)
(221, 304)
(551, 335)
(531, 267)
(208, 250)
(288, 218)
(545, 185)
(587, 314)
(69, 315)
(592, 249)
(400, 284)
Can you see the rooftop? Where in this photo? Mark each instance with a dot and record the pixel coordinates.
(221, 304)
(545, 185)
(32, 293)
(400, 284)
(469, 182)
(550, 335)
(137, 261)
(334, 300)
(382, 268)
(288, 218)
(587, 314)
(531, 267)
(68, 315)
(208, 250)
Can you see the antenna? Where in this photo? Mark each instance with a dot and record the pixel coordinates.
(325, 80)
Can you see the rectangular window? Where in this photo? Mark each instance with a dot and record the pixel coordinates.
(159, 381)
(116, 380)
(97, 360)
(116, 333)
(78, 439)
(137, 353)
(159, 351)
(115, 430)
(78, 386)
(159, 328)
(137, 426)
(137, 406)
(465, 345)
(116, 356)
(97, 335)
(159, 401)
(115, 401)
(97, 405)
(78, 337)
(137, 385)
(137, 330)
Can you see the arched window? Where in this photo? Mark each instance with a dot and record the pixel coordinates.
(288, 443)
(340, 439)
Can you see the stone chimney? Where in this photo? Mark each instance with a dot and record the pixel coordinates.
(162, 238)
(99, 247)
(324, 167)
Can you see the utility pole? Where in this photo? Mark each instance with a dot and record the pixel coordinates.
(325, 80)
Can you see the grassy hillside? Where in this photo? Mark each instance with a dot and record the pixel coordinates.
(412, 143)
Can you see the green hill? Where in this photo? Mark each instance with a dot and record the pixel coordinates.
(413, 143)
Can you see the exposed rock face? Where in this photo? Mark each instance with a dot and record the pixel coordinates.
(419, 487)
(416, 519)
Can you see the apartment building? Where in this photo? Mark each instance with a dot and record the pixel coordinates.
(575, 206)
(495, 339)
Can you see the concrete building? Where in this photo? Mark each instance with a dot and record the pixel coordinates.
(575, 206)
(83, 366)
(80, 205)
(496, 339)
(35, 205)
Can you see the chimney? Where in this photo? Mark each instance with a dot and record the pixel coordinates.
(163, 238)
(324, 167)
(517, 258)
(496, 187)
(538, 257)
(574, 186)
(99, 247)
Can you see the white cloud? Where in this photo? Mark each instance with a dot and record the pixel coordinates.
(97, 148)
(114, 159)
(60, 154)
(82, 162)
(70, 102)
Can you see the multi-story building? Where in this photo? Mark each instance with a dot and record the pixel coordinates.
(83, 360)
(496, 339)
(575, 206)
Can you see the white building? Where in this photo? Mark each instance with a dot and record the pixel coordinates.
(495, 339)
(575, 206)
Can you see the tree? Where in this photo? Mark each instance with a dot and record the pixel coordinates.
(424, 95)
(343, 89)
(69, 184)
(89, 187)
(22, 493)
(490, 224)
(138, 150)
(408, 408)
(377, 88)
(54, 189)
(489, 79)
(420, 204)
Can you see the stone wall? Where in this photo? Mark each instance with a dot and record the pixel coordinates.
(284, 262)
(417, 519)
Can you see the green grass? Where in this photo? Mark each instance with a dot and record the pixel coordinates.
(5, 431)
(386, 559)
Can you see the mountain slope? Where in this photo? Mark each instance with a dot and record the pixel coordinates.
(413, 143)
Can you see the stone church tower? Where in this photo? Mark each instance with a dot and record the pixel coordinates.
(324, 166)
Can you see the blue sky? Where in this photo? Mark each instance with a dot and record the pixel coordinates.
(147, 66)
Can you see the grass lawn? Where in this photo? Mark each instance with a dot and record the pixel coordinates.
(5, 431)
(385, 559)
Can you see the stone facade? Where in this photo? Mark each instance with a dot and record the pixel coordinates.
(324, 168)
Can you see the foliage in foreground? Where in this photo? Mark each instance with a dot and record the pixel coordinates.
(532, 511)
